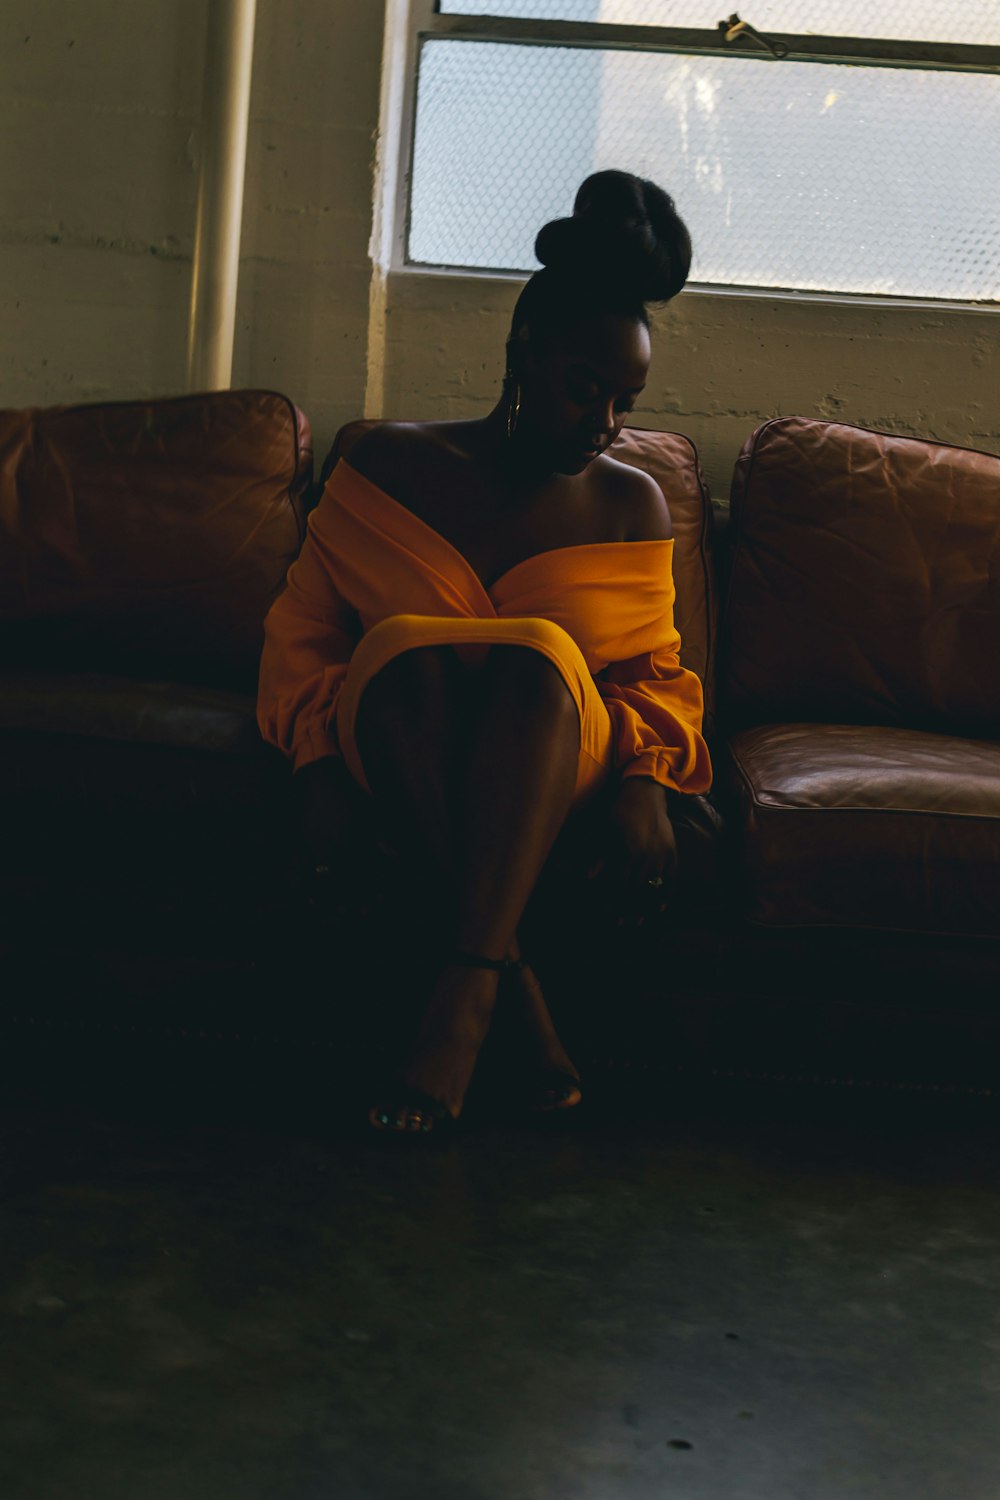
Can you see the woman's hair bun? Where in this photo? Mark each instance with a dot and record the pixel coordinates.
(623, 228)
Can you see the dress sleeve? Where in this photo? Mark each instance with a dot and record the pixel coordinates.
(656, 708)
(309, 635)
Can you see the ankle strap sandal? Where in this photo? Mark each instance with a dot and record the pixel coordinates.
(479, 961)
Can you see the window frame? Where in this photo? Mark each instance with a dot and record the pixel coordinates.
(425, 22)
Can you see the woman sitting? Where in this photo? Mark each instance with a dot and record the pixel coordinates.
(479, 633)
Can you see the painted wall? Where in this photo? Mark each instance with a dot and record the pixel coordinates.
(99, 114)
(722, 364)
(302, 312)
(99, 107)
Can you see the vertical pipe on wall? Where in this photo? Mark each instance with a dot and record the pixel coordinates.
(224, 115)
(398, 64)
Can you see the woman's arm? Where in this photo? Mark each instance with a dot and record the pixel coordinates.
(309, 635)
(656, 709)
(656, 705)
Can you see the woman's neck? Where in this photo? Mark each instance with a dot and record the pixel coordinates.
(514, 460)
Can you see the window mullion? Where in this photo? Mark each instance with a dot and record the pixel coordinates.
(957, 56)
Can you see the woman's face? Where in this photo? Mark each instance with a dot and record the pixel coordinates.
(578, 390)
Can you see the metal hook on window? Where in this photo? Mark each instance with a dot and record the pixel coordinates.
(734, 28)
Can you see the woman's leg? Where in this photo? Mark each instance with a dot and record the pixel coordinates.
(517, 790)
(412, 734)
(520, 743)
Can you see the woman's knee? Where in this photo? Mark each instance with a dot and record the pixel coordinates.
(535, 678)
(413, 682)
(548, 639)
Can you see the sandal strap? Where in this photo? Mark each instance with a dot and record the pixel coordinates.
(479, 961)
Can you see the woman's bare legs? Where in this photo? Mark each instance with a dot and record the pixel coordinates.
(491, 821)
(413, 728)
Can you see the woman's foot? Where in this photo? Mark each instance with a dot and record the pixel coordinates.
(444, 1055)
(553, 1081)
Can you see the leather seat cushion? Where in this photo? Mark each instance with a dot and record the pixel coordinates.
(114, 775)
(869, 827)
(95, 705)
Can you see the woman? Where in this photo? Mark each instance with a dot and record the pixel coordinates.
(479, 633)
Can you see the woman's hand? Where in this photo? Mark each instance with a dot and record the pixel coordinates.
(640, 846)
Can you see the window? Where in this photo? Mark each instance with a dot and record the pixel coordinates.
(862, 156)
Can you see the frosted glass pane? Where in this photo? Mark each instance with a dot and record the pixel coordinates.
(973, 21)
(802, 175)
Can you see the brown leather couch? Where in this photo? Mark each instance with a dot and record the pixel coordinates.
(145, 826)
(838, 911)
(858, 683)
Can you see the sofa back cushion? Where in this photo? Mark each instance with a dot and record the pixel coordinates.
(673, 462)
(149, 537)
(865, 581)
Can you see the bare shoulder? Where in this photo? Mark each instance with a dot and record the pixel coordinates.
(641, 500)
(385, 453)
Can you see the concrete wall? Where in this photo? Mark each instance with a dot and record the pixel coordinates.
(99, 113)
(99, 105)
(302, 315)
(722, 364)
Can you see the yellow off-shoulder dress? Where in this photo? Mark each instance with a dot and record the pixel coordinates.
(374, 580)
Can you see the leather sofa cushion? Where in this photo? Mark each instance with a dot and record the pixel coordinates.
(865, 581)
(149, 537)
(113, 779)
(91, 705)
(869, 827)
(672, 461)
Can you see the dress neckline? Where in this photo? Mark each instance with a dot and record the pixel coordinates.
(487, 588)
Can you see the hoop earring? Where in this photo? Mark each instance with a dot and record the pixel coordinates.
(513, 410)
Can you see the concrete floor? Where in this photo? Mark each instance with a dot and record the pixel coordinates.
(735, 1299)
